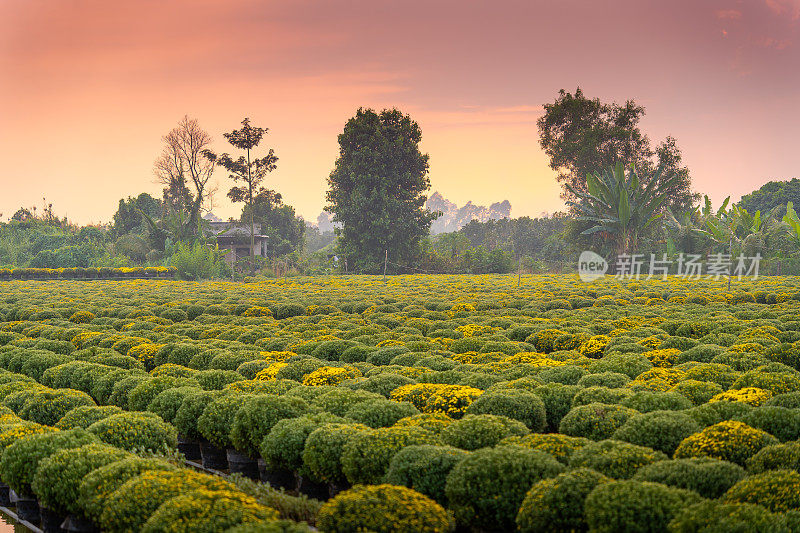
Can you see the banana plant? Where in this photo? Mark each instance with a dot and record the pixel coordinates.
(681, 230)
(793, 221)
(620, 206)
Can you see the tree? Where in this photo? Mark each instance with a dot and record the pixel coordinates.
(619, 206)
(247, 170)
(278, 221)
(582, 136)
(771, 195)
(376, 190)
(129, 215)
(185, 170)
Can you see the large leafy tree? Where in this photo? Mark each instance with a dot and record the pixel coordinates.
(246, 170)
(377, 189)
(583, 135)
(771, 195)
(129, 219)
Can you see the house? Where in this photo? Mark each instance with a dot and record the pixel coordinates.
(236, 238)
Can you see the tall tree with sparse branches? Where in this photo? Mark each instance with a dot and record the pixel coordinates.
(247, 170)
(185, 171)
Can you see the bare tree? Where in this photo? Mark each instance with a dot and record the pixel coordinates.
(185, 170)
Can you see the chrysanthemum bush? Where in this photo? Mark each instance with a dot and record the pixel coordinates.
(444, 386)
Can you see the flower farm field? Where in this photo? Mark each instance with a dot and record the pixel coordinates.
(428, 403)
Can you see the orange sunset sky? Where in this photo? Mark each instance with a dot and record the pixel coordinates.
(87, 89)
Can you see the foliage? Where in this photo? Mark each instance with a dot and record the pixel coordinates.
(635, 506)
(487, 488)
(382, 508)
(557, 504)
(58, 476)
(380, 171)
(199, 261)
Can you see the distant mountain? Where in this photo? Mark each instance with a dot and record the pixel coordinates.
(455, 217)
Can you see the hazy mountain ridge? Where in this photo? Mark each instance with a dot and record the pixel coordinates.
(454, 218)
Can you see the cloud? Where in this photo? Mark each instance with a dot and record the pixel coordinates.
(729, 14)
(787, 7)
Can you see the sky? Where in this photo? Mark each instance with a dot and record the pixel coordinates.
(89, 87)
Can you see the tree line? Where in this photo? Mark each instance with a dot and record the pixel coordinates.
(623, 194)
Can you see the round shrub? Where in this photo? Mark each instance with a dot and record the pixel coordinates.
(557, 400)
(486, 488)
(207, 511)
(557, 504)
(660, 430)
(790, 400)
(257, 416)
(283, 447)
(190, 411)
(775, 457)
(697, 392)
(629, 364)
(424, 468)
(21, 459)
(382, 509)
(600, 395)
(136, 431)
(48, 406)
(57, 478)
(479, 431)
(216, 379)
(730, 441)
(282, 311)
(366, 456)
(121, 389)
(595, 421)
(777, 490)
(128, 508)
(340, 399)
(566, 374)
(167, 403)
(322, 453)
(712, 413)
(635, 506)
(520, 405)
(101, 482)
(559, 446)
(613, 458)
(378, 413)
(217, 418)
(611, 380)
(779, 422)
(646, 401)
(85, 416)
(721, 517)
(383, 384)
(710, 478)
(144, 393)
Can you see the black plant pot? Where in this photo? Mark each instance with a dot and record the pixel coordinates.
(189, 448)
(50, 520)
(5, 495)
(27, 509)
(213, 457)
(239, 463)
(78, 524)
(336, 488)
(312, 489)
(281, 478)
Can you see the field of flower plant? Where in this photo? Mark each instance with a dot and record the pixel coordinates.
(428, 403)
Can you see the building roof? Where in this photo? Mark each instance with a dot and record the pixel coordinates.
(234, 231)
